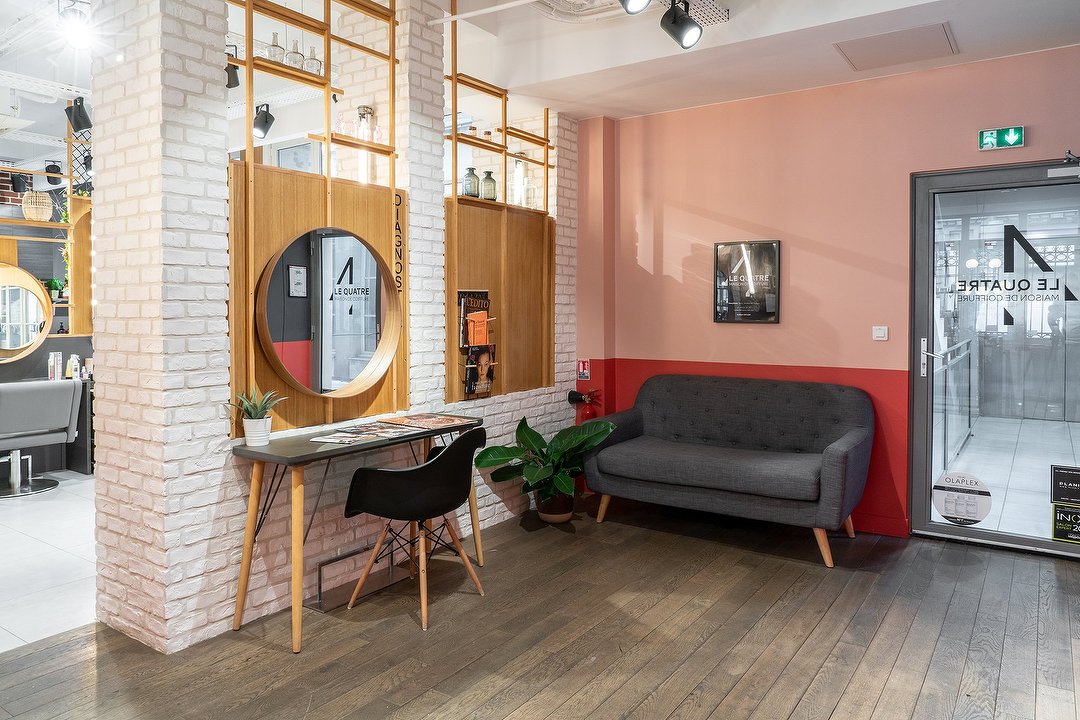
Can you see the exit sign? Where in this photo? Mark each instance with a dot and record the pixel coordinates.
(998, 138)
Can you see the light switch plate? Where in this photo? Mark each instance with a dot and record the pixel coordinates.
(880, 332)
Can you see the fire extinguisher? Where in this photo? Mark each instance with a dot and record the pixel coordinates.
(587, 402)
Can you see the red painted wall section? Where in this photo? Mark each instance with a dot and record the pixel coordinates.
(296, 357)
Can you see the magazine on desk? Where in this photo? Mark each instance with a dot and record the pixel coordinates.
(428, 421)
(346, 437)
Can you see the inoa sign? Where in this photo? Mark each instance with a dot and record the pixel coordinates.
(998, 138)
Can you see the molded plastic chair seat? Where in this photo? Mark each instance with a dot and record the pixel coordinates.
(35, 414)
(417, 495)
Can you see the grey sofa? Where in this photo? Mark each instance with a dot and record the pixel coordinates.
(789, 452)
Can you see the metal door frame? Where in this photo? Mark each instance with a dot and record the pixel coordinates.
(924, 189)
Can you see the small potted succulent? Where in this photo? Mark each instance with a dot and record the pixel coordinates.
(255, 411)
(548, 467)
(54, 286)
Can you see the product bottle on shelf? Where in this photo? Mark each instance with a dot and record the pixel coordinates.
(470, 183)
(488, 186)
(274, 51)
(312, 64)
(295, 58)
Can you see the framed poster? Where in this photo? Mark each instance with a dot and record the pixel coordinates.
(298, 281)
(747, 285)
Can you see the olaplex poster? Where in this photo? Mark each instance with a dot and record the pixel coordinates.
(747, 282)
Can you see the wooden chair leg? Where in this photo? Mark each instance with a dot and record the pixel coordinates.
(849, 527)
(412, 549)
(423, 576)
(370, 563)
(823, 546)
(605, 500)
(464, 558)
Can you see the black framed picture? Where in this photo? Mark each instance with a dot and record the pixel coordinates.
(747, 285)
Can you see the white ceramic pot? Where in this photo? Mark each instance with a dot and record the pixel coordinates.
(257, 432)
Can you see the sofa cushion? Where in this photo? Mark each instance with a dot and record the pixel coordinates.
(789, 476)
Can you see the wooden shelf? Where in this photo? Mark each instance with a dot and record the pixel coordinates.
(34, 223)
(23, 171)
(496, 204)
(70, 335)
(354, 142)
(60, 241)
(526, 158)
(360, 47)
(287, 72)
(289, 16)
(369, 8)
(479, 85)
(528, 137)
(478, 143)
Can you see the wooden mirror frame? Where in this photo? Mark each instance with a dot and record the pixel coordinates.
(14, 275)
(388, 340)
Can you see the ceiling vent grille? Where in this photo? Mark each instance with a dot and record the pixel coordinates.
(707, 13)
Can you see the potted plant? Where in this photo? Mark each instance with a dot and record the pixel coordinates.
(54, 286)
(255, 411)
(548, 467)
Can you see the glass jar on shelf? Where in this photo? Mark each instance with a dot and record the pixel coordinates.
(274, 51)
(312, 64)
(488, 186)
(470, 183)
(295, 58)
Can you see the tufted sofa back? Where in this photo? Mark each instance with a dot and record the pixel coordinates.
(751, 414)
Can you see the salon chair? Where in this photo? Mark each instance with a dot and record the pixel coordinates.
(35, 414)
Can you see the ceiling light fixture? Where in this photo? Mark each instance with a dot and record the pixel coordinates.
(53, 167)
(88, 164)
(77, 115)
(633, 7)
(74, 22)
(232, 75)
(19, 183)
(682, 28)
(263, 121)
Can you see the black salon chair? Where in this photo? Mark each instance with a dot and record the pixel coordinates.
(418, 495)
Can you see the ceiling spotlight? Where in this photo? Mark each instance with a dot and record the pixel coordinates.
(260, 126)
(53, 167)
(682, 28)
(74, 22)
(88, 164)
(19, 183)
(633, 7)
(77, 115)
(232, 75)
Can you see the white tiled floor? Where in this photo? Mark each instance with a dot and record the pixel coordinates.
(47, 571)
(1013, 458)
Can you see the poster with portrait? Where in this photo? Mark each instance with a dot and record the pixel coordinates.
(479, 369)
(747, 283)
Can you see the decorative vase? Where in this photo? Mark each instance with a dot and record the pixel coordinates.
(312, 64)
(37, 206)
(257, 431)
(556, 509)
(487, 186)
(295, 58)
(470, 183)
(274, 51)
(54, 295)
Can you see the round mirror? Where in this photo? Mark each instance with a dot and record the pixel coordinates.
(328, 317)
(25, 313)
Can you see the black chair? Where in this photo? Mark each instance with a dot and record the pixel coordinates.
(417, 495)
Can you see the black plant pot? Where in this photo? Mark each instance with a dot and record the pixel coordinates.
(556, 509)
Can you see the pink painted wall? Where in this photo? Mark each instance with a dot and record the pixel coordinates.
(826, 172)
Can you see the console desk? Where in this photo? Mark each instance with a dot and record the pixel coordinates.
(294, 454)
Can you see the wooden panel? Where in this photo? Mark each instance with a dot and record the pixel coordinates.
(526, 314)
(80, 265)
(241, 330)
(9, 250)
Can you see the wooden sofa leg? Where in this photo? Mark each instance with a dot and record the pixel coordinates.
(823, 546)
(849, 527)
(605, 500)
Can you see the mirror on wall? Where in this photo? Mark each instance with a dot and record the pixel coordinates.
(25, 313)
(328, 317)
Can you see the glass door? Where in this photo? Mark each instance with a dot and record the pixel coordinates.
(996, 356)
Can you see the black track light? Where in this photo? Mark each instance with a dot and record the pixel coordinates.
(633, 7)
(77, 115)
(263, 121)
(20, 183)
(232, 74)
(88, 164)
(682, 28)
(54, 167)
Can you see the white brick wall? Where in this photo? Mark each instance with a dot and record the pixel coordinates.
(171, 497)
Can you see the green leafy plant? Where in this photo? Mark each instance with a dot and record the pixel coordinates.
(54, 284)
(548, 467)
(255, 406)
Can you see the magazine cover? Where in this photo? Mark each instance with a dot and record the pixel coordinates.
(479, 369)
(470, 301)
(428, 421)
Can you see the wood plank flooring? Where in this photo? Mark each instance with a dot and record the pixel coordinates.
(657, 613)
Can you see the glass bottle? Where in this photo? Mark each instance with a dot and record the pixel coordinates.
(487, 136)
(470, 183)
(365, 122)
(517, 188)
(488, 186)
(274, 51)
(312, 64)
(294, 57)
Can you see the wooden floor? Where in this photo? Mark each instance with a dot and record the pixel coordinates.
(654, 614)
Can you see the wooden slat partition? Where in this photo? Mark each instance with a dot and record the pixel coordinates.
(81, 269)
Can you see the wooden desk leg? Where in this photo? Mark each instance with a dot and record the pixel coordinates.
(474, 513)
(249, 542)
(297, 556)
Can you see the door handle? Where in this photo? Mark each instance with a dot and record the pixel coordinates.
(925, 353)
(934, 355)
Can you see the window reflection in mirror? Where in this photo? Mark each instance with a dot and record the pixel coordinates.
(325, 309)
(22, 317)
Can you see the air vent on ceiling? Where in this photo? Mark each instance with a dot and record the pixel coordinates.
(707, 13)
(899, 47)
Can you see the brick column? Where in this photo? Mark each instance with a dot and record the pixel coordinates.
(160, 328)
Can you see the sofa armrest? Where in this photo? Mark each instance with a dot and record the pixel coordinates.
(844, 466)
(629, 424)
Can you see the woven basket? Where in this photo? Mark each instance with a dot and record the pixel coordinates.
(37, 206)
